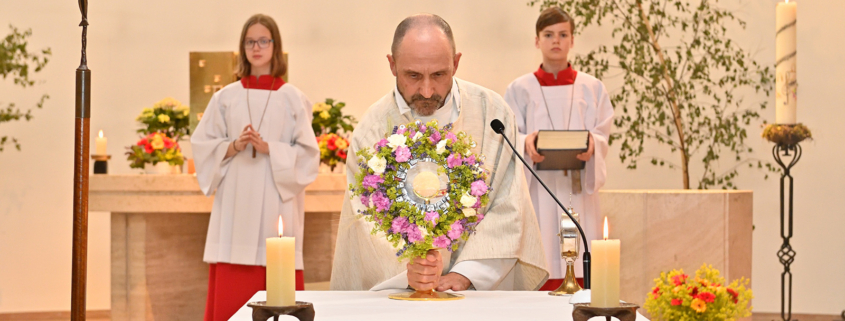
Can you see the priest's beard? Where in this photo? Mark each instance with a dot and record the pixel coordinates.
(425, 106)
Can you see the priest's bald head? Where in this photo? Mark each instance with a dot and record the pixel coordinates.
(424, 60)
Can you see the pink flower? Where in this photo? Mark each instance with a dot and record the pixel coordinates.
(677, 302)
(478, 188)
(453, 160)
(381, 202)
(432, 217)
(414, 234)
(441, 242)
(470, 160)
(403, 154)
(372, 181)
(455, 230)
(399, 224)
(451, 137)
(435, 137)
(679, 279)
(480, 216)
(382, 143)
(400, 131)
(365, 200)
(423, 128)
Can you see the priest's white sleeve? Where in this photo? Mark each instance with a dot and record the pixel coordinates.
(517, 98)
(488, 274)
(595, 169)
(295, 163)
(209, 143)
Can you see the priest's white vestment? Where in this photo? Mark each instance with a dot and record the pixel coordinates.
(251, 193)
(582, 105)
(506, 243)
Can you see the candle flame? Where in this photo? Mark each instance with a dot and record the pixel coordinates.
(605, 228)
(101, 133)
(281, 226)
(787, 1)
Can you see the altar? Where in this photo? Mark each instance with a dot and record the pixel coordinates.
(477, 305)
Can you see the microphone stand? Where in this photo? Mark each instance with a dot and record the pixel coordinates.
(586, 258)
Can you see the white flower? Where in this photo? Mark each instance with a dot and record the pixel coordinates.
(423, 231)
(441, 146)
(417, 136)
(396, 140)
(469, 212)
(468, 200)
(378, 164)
(401, 244)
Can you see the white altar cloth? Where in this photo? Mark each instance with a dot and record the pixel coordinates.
(478, 305)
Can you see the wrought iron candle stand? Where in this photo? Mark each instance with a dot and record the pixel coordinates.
(786, 253)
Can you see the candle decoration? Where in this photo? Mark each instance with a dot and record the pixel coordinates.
(786, 85)
(281, 273)
(605, 272)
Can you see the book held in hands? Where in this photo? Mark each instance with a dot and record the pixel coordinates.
(560, 147)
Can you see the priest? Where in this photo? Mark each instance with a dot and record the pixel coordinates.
(505, 253)
(557, 97)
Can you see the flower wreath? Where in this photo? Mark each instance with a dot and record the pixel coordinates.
(422, 158)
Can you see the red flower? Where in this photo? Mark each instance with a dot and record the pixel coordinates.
(342, 154)
(656, 290)
(142, 142)
(168, 143)
(679, 279)
(694, 291)
(677, 301)
(734, 294)
(148, 148)
(706, 297)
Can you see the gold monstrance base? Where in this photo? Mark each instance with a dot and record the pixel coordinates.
(429, 295)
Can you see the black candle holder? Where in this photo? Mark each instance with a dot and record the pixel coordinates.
(786, 254)
(304, 311)
(101, 163)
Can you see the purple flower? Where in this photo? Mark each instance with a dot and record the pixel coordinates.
(381, 202)
(382, 143)
(441, 242)
(403, 154)
(454, 160)
(455, 230)
(372, 181)
(470, 160)
(365, 200)
(414, 234)
(399, 224)
(480, 216)
(435, 137)
(432, 217)
(451, 137)
(478, 188)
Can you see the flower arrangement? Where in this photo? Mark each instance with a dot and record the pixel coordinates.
(154, 148)
(333, 149)
(167, 116)
(676, 296)
(329, 119)
(382, 185)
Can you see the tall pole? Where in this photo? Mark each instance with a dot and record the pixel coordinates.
(80, 177)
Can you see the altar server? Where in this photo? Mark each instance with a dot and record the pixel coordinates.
(254, 145)
(505, 253)
(557, 97)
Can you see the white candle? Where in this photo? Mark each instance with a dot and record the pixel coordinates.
(786, 86)
(605, 272)
(101, 144)
(281, 274)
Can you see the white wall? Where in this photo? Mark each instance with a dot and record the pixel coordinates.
(138, 51)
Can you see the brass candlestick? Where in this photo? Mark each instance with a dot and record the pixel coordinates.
(569, 248)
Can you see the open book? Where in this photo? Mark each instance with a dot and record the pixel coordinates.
(560, 148)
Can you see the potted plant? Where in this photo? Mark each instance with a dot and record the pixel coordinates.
(677, 296)
(332, 127)
(163, 125)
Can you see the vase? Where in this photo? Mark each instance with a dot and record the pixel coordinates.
(162, 168)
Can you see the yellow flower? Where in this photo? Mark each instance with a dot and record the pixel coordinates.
(324, 115)
(320, 107)
(341, 143)
(163, 118)
(698, 305)
(157, 143)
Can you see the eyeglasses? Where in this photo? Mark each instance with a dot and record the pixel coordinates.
(263, 43)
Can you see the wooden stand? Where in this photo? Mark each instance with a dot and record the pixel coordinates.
(624, 312)
(304, 311)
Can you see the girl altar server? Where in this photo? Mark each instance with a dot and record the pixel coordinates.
(254, 145)
(557, 97)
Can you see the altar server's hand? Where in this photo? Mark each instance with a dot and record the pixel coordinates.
(424, 274)
(585, 156)
(453, 281)
(243, 140)
(531, 150)
(255, 139)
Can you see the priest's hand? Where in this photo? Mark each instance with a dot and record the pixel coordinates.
(531, 150)
(257, 142)
(585, 156)
(424, 273)
(453, 281)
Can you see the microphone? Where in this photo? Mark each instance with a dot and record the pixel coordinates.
(499, 128)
